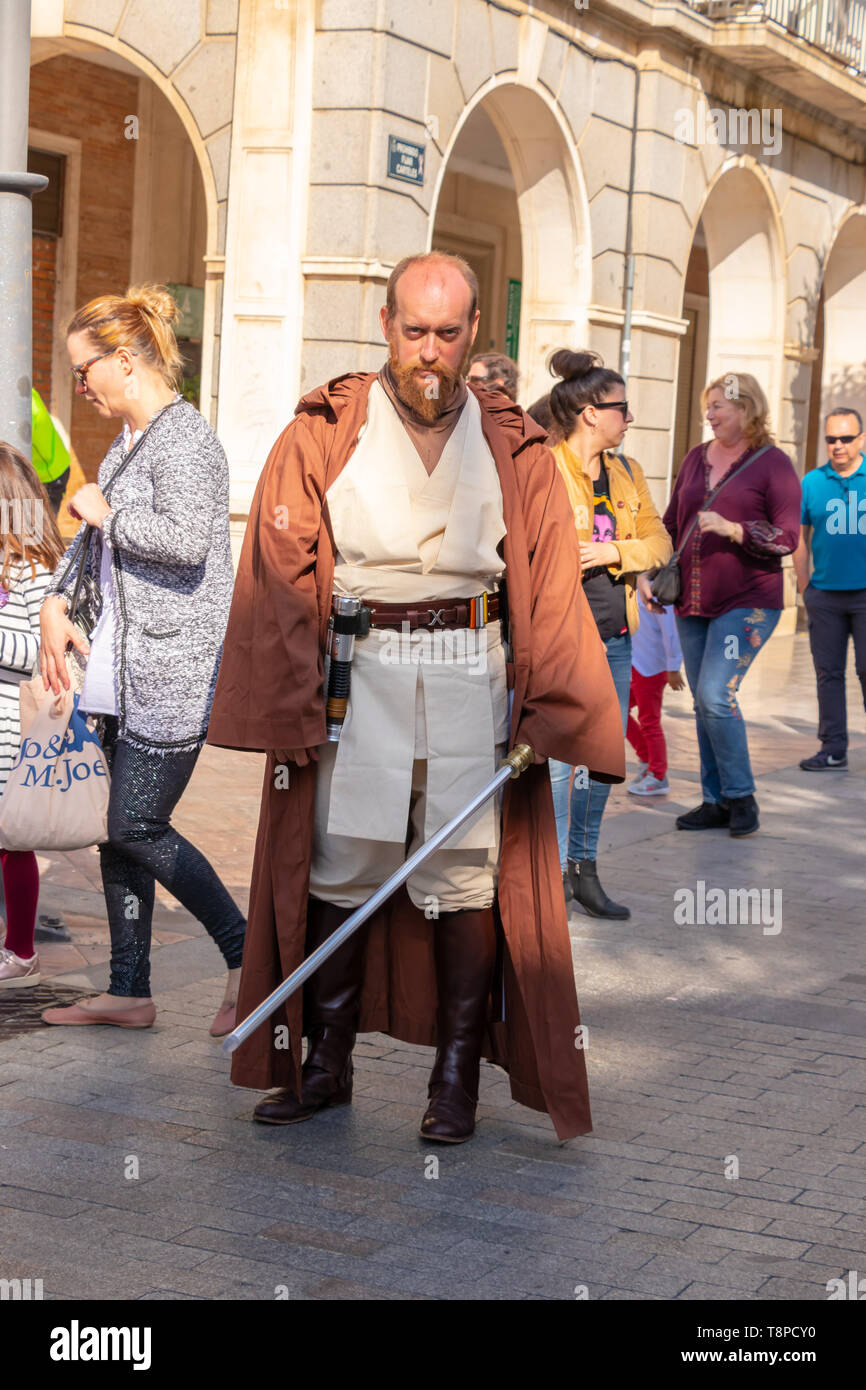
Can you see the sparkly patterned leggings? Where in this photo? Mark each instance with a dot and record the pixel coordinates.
(142, 847)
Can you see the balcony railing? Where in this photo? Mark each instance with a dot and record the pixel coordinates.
(836, 26)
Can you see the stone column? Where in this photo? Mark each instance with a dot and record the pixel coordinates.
(16, 228)
(262, 297)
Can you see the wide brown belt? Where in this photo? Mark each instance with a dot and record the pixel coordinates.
(435, 614)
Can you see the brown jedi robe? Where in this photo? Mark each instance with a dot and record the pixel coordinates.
(269, 695)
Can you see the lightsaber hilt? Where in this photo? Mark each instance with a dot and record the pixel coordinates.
(517, 761)
(343, 628)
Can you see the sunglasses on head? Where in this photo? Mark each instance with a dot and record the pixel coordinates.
(840, 438)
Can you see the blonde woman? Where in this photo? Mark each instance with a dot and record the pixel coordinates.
(731, 595)
(621, 535)
(162, 563)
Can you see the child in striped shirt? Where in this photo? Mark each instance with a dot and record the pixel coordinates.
(655, 664)
(31, 548)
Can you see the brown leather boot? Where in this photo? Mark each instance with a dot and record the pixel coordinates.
(464, 948)
(331, 1000)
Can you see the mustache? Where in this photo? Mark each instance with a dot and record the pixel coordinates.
(427, 403)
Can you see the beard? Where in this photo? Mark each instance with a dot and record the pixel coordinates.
(427, 399)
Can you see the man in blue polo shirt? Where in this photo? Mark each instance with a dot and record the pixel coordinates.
(834, 517)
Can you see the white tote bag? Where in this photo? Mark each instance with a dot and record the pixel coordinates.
(56, 796)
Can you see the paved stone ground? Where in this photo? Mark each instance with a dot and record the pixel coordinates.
(707, 1044)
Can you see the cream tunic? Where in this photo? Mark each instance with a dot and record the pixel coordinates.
(403, 536)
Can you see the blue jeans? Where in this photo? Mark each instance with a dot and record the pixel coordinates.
(717, 653)
(588, 802)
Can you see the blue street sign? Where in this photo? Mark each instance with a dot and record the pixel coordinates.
(405, 160)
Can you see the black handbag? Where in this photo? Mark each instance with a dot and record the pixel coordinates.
(85, 606)
(667, 583)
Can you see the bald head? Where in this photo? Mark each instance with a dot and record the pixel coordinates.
(441, 271)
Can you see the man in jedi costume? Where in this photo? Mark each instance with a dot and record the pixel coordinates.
(412, 492)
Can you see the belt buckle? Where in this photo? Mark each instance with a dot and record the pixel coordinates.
(436, 618)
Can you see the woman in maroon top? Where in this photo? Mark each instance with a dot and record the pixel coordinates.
(731, 595)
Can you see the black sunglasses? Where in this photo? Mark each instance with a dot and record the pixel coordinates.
(840, 438)
(607, 405)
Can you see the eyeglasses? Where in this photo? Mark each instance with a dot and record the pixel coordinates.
(840, 438)
(80, 372)
(607, 405)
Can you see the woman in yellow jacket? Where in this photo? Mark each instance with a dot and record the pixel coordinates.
(621, 535)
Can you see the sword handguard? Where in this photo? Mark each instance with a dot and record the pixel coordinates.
(520, 758)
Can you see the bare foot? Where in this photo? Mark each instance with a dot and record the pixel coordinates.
(232, 983)
(115, 1002)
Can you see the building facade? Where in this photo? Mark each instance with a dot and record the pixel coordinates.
(677, 185)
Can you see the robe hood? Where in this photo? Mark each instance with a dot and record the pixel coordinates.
(331, 399)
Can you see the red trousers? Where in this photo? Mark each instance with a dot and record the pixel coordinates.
(21, 889)
(645, 733)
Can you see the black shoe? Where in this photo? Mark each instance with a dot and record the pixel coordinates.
(589, 894)
(825, 762)
(710, 815)
(567, 889)
(744, 815)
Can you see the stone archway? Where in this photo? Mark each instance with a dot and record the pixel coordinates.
(191, 64)
(551, 211)
(842, 373)
(746, 279)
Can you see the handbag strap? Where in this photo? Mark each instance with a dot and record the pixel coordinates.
(711, 497)
(127, 459)
(79, 578)
(87, 535)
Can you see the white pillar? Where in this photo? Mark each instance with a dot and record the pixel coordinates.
(262, 309)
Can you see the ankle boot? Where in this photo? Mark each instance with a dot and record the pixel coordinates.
(464, 947)
(567, 890)
(331, 1000)
(589, 894)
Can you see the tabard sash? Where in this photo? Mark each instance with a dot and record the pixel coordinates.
(403, 536)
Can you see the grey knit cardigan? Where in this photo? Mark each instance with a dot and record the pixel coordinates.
(173, 578)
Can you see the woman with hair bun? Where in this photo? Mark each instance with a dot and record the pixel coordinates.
(161, 561)
(621, 535)
(731, 595)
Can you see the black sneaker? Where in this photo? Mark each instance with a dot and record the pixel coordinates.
(825, 762)
(710, 815)
(744, 815)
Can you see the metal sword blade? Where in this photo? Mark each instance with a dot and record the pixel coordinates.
(516, 762)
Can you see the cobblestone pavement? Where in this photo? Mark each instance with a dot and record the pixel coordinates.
(711, 1049)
